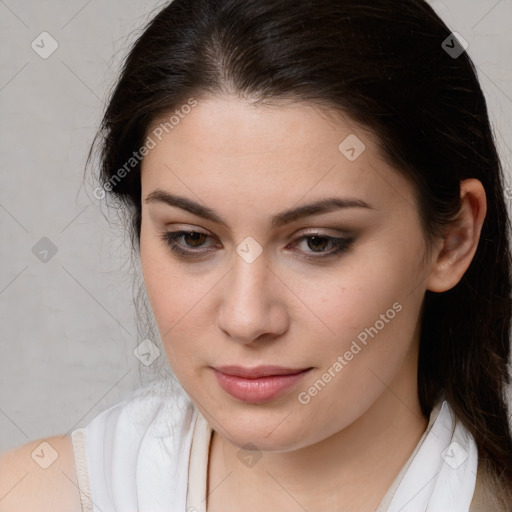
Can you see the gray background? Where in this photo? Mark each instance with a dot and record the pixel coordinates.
(67, 323)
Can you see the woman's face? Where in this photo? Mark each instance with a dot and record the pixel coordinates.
(337, 290)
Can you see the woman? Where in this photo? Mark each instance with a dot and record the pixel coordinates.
(316, 197)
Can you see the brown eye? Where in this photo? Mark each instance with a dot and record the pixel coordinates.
(320, 244)
(196, 238)
(317, 242)
(192, 239)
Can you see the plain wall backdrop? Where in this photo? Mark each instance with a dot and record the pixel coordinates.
(67, 318)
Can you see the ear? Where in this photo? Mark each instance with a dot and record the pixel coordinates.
(461, 238)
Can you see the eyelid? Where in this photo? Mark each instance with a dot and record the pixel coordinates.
(331, 232)
(338, 233)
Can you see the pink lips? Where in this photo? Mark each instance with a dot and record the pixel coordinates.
(257, 385)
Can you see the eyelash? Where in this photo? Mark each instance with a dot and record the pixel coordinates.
(170, 238)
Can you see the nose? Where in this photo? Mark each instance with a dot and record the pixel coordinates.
(252, 306)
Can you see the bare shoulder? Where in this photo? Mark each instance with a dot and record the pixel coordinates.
(39, 476)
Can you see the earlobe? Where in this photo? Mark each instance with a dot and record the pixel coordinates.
(461, 238)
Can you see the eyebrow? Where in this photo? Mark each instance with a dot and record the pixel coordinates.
(285, 217)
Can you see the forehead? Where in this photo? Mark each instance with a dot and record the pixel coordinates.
(230, 125)
(231, 146)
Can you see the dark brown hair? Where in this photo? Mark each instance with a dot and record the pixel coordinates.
(392, 66)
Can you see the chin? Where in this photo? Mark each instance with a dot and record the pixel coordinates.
(266, 430)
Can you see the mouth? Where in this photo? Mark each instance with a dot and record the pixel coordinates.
(259, 384)
(258, 371)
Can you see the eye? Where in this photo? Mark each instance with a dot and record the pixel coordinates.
(318, 242)
(194, 240)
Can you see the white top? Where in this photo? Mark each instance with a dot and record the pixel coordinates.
(149, 453)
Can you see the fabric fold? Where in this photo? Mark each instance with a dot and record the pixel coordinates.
(442, 475)
(138, 451)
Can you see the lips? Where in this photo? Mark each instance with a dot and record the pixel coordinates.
(260, 384)
(258, 371)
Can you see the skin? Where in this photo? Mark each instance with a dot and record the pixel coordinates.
(247, 163)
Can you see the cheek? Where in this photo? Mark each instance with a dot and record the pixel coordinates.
(373, 342)
(177, 296)
(366, 312)
(163, 281)
(340, 303)
(384, 276)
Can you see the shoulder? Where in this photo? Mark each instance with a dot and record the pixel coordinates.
(39, 476)
(137, 449)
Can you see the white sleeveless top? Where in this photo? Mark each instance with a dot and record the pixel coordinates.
(149, 453)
